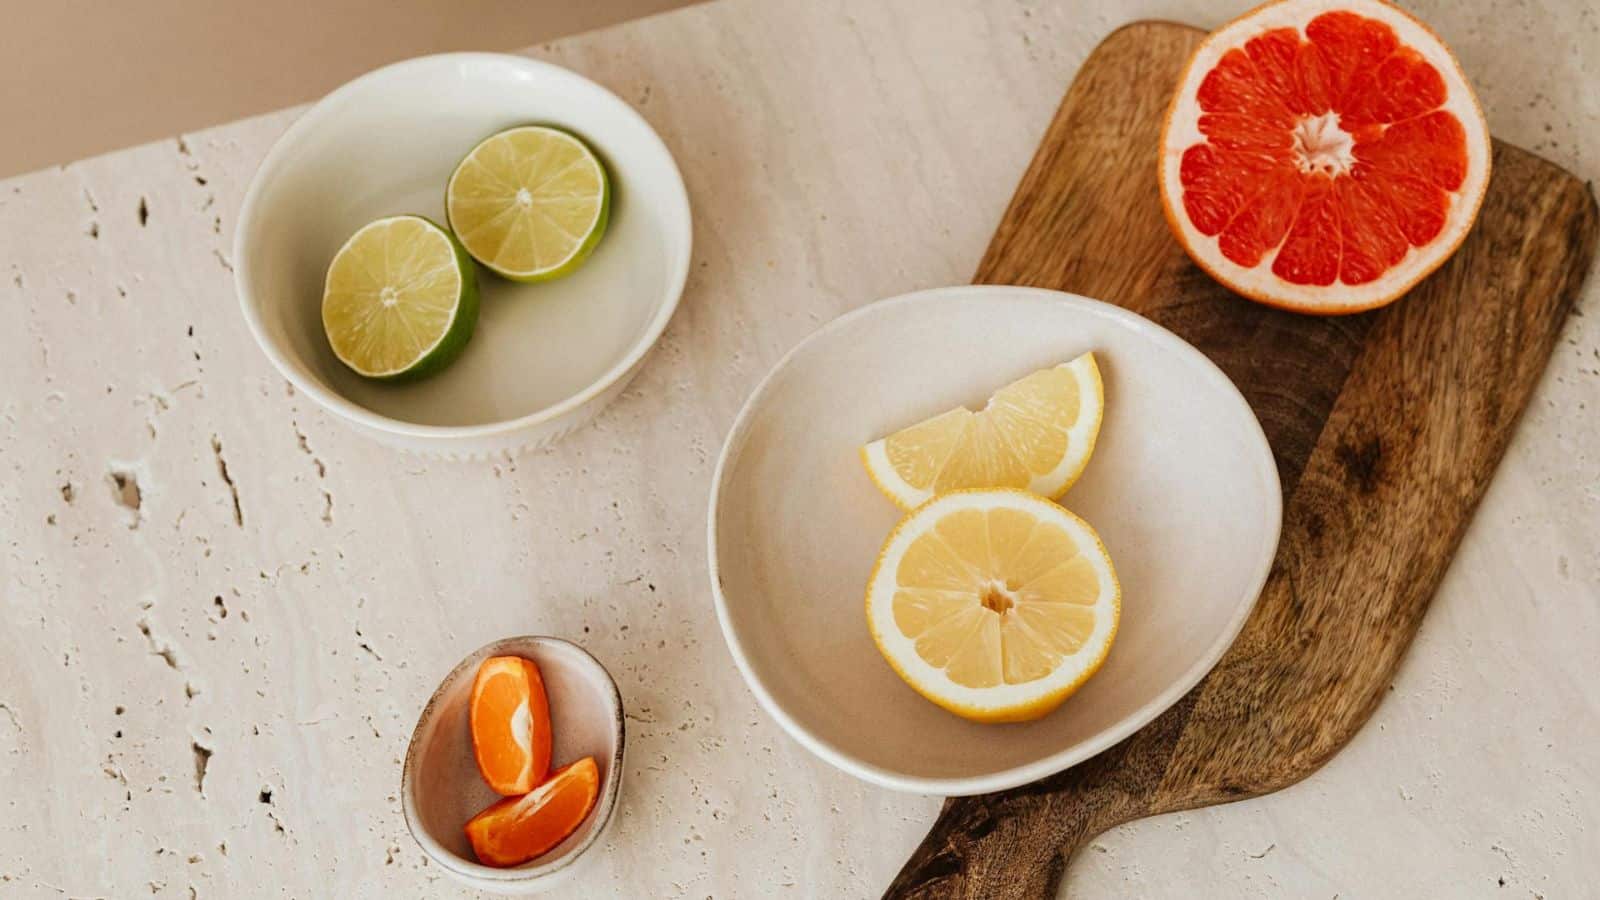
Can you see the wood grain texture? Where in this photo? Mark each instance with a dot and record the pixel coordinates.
(1386, 427)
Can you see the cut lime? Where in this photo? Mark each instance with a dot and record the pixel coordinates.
(401, 299)
(530, 203)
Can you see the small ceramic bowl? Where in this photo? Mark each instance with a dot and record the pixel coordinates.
(440, 788)
(1182, 487)
(545, 357)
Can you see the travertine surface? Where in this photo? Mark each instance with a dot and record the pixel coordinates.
(220, 610)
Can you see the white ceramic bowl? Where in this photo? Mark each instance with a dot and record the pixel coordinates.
(1182, 487)
(440, 788)
(546, 357)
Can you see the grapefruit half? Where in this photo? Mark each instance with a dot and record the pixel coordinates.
(1323, 156)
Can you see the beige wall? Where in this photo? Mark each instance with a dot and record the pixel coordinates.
(82, 77)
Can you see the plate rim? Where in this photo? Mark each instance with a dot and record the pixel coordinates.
(1023, 773)
(345, 408)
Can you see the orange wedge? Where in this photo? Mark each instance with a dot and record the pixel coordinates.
(517, 829)
(510, 724)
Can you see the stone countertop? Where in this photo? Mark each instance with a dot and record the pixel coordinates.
(220, 610)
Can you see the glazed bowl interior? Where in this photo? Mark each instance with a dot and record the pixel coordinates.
(385, 144)
(1182, 487)
(441, 787)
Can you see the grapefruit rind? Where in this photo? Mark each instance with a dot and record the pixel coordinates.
(1181, 130)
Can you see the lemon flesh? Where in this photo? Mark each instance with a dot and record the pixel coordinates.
(529, 203)
(400, 299)
(1035, 434)
(995, 604)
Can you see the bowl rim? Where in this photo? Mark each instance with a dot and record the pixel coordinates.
(278, 157)
(604, 806)
(1075, 753)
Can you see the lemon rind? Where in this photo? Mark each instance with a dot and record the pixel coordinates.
(1026, 701)
(1052, 485)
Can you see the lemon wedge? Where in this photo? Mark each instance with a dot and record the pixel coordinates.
(1035, 434)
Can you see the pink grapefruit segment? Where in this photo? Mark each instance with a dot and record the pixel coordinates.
(1323, 155)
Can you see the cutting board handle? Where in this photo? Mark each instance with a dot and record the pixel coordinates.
(1016, 844)
(973, 851)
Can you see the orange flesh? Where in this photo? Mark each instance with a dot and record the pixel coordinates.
(1330, 147)
(517, 829)
(510, 724)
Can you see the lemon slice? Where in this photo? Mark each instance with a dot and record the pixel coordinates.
(1035, 434)
(530, 203)
(400, 300)
(994, 604)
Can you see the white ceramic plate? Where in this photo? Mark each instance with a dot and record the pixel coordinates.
(1182, 488)
(546, 357)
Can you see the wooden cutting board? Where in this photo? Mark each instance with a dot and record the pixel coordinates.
(1386, 427)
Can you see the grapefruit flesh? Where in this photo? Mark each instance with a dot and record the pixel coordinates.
(1323, 155)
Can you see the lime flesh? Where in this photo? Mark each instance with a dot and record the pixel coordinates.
(529, 203)
(400, 300)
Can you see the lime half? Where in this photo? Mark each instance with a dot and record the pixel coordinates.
(401, 299)
(530, 203)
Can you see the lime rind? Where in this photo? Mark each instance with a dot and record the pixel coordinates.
(462, 325)
(580, 253)
(452, 340)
